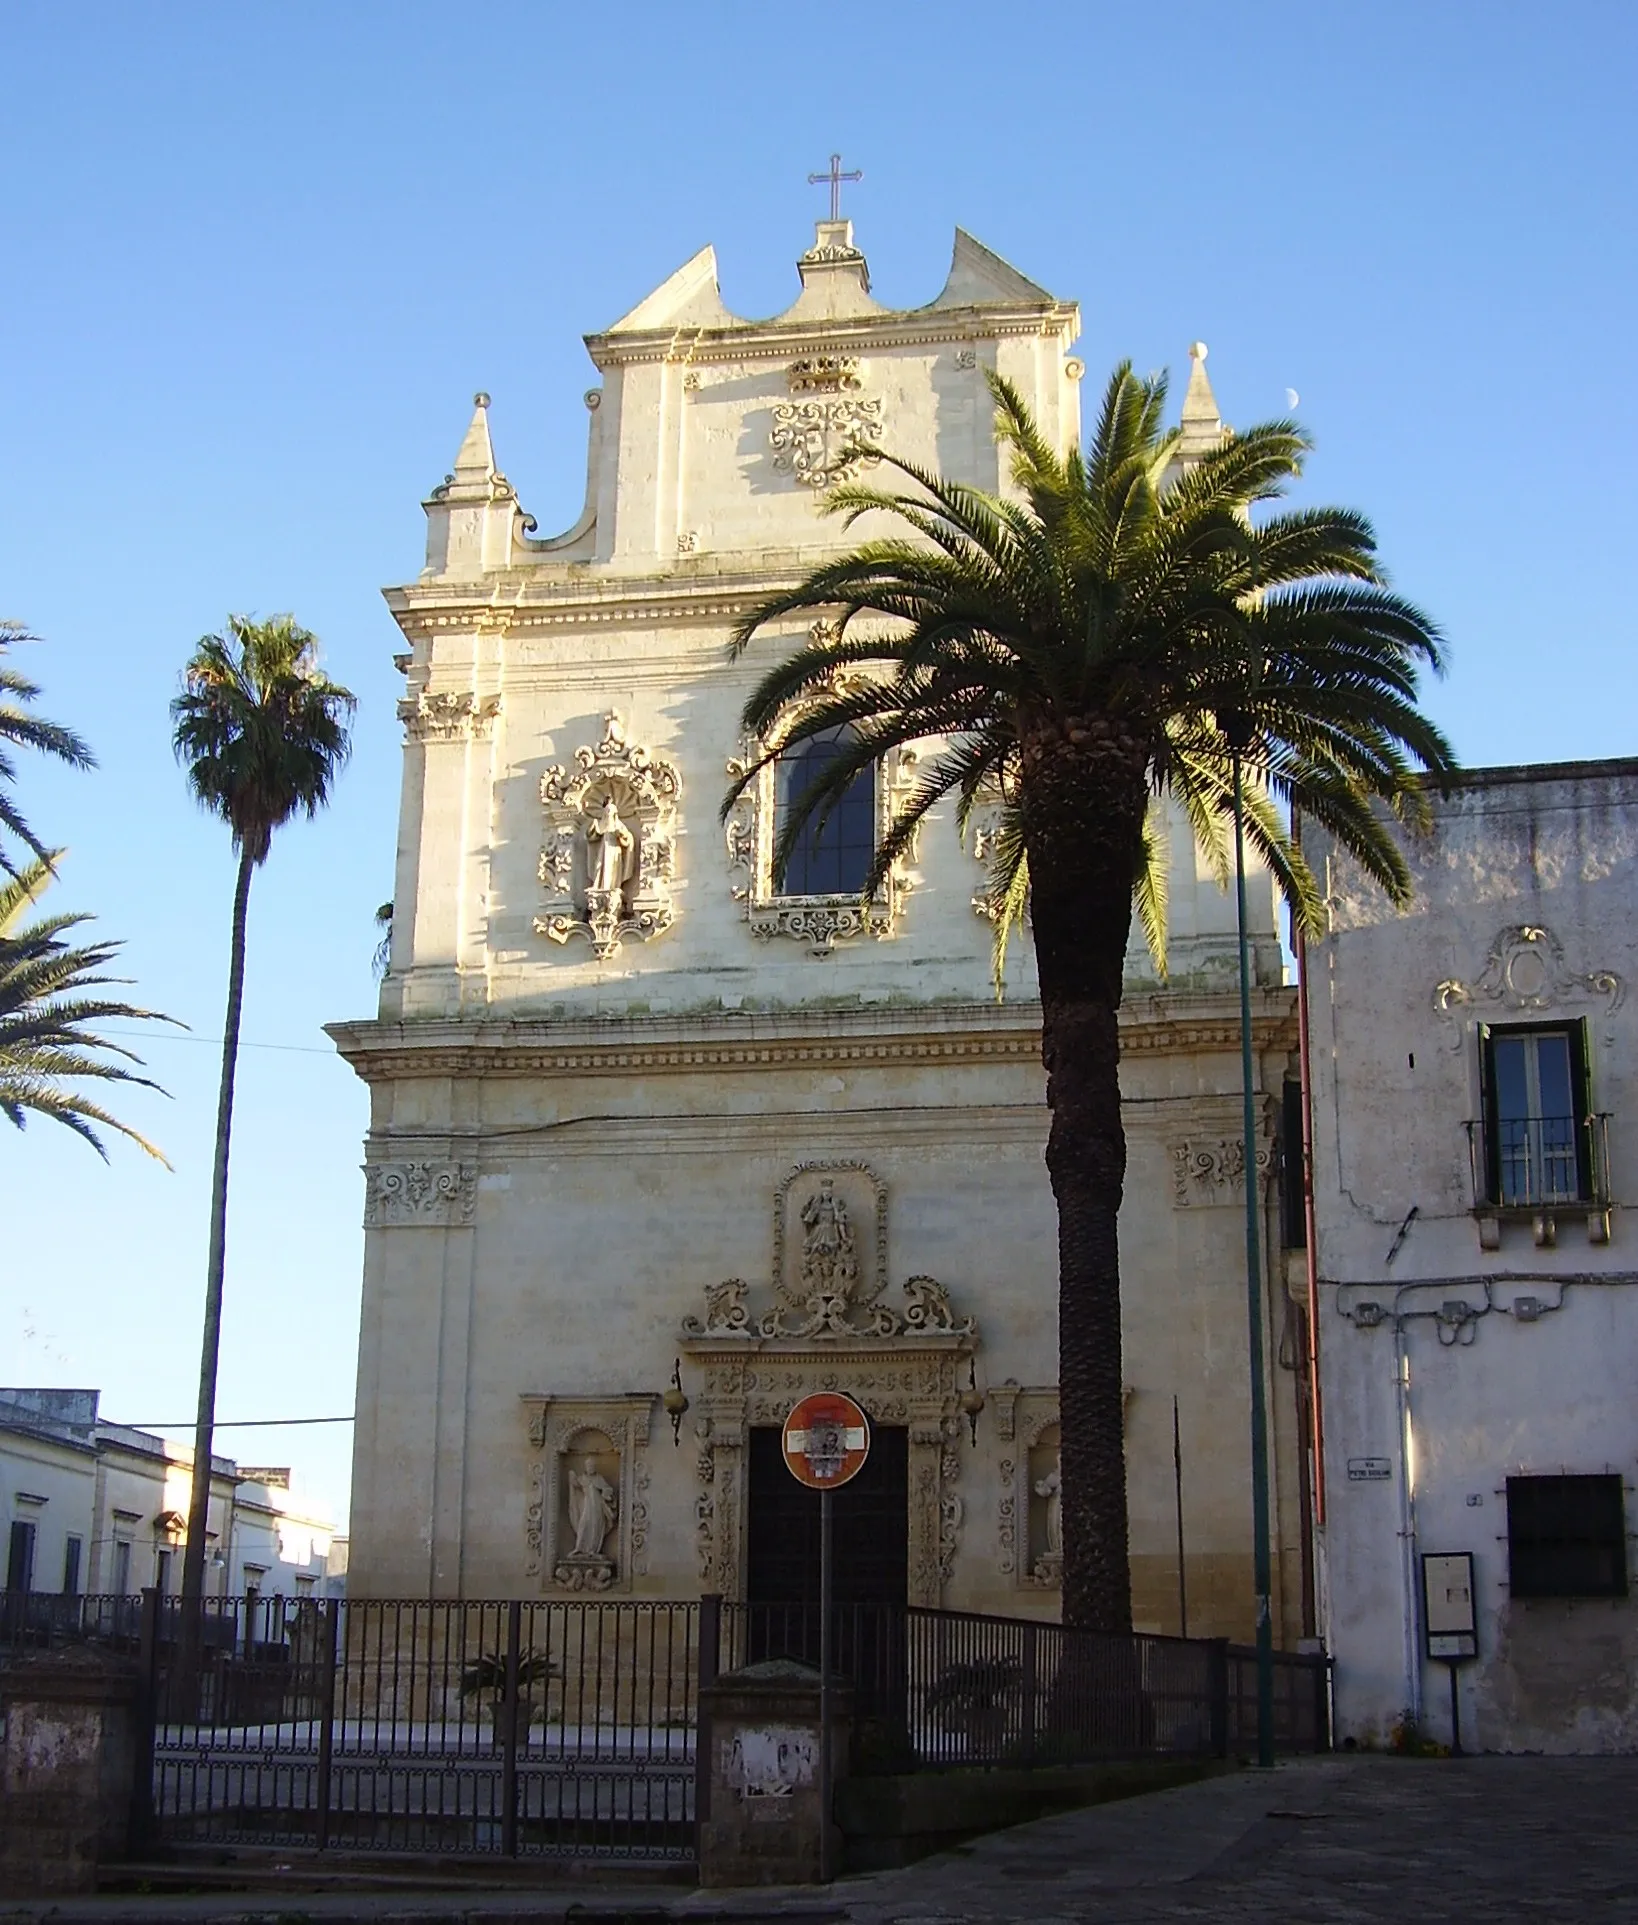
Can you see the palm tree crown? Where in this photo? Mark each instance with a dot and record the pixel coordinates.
(1126, 595)
(260, 729)
(46, 1040)
(21, 729)
(1117, 628)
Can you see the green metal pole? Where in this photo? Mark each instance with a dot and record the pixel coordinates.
(1261, 1562)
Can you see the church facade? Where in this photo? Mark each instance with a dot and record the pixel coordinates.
(644, 1116)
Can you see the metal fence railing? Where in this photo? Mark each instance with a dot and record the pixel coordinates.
(43, 1620)
(571, 1728)
(936, 1688)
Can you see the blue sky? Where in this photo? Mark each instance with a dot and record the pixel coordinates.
(258, 258)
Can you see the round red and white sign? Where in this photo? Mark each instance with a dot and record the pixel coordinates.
(826, 1440)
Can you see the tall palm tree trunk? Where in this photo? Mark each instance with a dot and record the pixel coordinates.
(1083, 805)
(193, 1563)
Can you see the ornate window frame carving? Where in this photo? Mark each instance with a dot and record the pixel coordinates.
(554, 1423)
(645, 790)
(821, 921)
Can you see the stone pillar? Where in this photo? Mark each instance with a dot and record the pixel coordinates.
(68, 1770)
(762, 1817)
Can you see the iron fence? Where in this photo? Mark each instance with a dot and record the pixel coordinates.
(512, 1727)
(934, 1689)
(571, 1728)
(45, 1620)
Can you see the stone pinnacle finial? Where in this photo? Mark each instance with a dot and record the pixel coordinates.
(476, 460)
(1202, 421)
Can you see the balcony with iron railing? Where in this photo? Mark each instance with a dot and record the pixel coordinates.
(1537, 1169)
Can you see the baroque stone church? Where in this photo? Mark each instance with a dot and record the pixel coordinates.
(645, 1115)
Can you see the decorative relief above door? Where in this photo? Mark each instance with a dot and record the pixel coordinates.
(610, 849)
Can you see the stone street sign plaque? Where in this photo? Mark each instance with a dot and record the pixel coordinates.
(1370, 1470)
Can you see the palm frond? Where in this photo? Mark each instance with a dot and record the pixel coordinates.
(47, 1040)
(21, 728)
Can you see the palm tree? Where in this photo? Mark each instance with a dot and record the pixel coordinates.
(20, 729)
(46, 1042)
(262, 733)
(1076, 652)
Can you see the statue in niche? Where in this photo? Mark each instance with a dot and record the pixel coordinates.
(1049, 1566)
(592, 1508)
(830, 1263)
(1051, 1488)
(608, 857)
(609, 844)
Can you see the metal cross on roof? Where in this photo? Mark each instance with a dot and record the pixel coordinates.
(835, 177)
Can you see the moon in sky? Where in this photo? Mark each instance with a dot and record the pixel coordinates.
(1292, 397)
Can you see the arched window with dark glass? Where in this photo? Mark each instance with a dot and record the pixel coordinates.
(832, 860)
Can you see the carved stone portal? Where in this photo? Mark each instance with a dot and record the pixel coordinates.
(829, 1326)
(915, 1382)
(610, 849)
(587, 1518)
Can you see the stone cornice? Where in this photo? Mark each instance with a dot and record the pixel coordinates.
(575, 595)
(728, 1041)
(767, 340)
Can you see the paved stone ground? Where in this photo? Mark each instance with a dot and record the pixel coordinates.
(1329, 1841)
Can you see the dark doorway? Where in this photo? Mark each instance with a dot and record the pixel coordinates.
(870, 1572)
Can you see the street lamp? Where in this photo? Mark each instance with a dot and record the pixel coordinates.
(1237, 733)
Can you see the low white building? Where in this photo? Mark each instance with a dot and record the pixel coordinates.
(1475, 1079)
(98, 1509)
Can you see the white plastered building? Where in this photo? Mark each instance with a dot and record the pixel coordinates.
(1475, 1071)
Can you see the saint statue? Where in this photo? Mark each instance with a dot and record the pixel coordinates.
(830, 1266)
(1051, 1488)
(592, 1508)
(610, 844)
